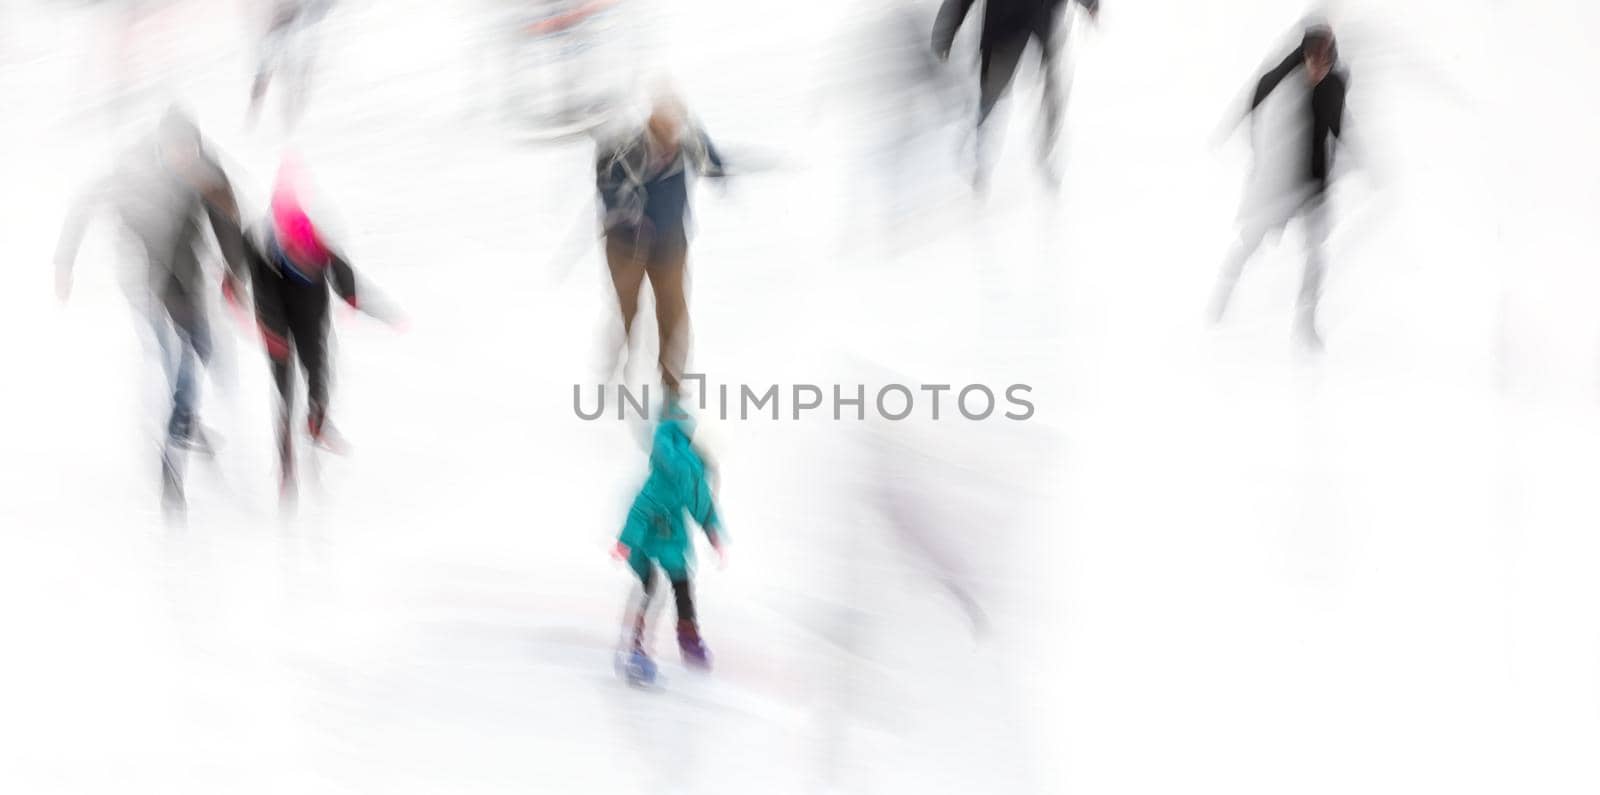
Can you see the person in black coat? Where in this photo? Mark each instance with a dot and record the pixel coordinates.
(1007, 27)
(1298, 191)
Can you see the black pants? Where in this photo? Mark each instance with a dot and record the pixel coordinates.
(294, 321)
(999, 65)
(683, 596)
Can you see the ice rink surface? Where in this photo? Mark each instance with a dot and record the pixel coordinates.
(1210, 562)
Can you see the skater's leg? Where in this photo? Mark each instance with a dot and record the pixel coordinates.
(192, 348)
(667, 275)
(308, 323)
(1056, 84)
(270, 55)
(272, 319)
(625, 259)
(639, 612)
(274, 328)
(693, 648)
(1316, 232)
(1250, 238)
(282, 362)
(996, 68)
(280, 357)
(633, 662)
(168, 347)
(283, 381)
(683, 599)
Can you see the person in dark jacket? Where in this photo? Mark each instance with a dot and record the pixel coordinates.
(161, 190)
(1281, 193)
(644, 188)
(292, 268)
(1008, 25)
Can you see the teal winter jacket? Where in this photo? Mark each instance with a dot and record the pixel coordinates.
(655, 530)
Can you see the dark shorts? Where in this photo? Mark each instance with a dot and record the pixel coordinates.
(657, 246)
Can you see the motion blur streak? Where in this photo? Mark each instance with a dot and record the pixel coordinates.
(301, 294)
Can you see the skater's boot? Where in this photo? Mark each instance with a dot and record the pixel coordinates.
(1305, 330)
(322, 431)
(199, 440)
(636, 667)
(633, 664)
(694, 650)
(1220, 295)
(184, 432)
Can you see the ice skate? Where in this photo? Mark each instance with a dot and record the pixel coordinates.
(636, 667)
(324, 436)
(695, 655)
(184, 432)
(1305, 332)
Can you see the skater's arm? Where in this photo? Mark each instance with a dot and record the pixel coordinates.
(1276, 74)
(363, 298)
(344, 280)
(711, 165)
(705, 514)
(945, 25)
(272, 319)
(223, 211)
(72, 231)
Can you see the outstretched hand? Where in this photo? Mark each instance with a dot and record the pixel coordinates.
(63, 284)
(397, 320)
(621, 552)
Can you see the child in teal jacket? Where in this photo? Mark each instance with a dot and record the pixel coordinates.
(655, 535)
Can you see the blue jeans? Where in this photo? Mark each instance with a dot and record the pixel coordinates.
(181, 332)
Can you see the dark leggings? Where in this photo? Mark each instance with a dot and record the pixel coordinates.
(294, 320)
(681, 593)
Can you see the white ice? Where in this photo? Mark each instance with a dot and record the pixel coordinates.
(1212, 563)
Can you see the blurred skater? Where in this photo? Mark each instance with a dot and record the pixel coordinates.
(643, 182)
(288, 50)
(291, 268)
(893, 107)
(1280, 193)
(160, 190)
(1008, 25)
(656, 537)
